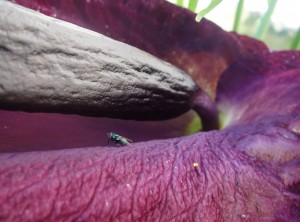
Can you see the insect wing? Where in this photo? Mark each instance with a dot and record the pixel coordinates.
(129, 140)
(124, 141)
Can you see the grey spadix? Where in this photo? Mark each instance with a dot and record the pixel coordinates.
(47, 65)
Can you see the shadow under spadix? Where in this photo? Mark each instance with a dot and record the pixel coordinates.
(20, 131)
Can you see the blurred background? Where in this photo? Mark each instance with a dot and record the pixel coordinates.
(276, 22)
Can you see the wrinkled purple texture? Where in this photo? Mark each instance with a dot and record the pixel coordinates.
(251, 167)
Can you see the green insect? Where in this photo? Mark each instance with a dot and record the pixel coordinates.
(118, 139)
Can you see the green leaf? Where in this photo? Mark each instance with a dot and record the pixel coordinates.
(194, 126)
(210, 7)
(296, 40)
(264, 24)
(193, 5)
(238, 14)
(180, 2)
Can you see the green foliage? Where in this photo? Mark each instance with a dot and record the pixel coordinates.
(264, 24)
(193, 5)
(210, 7)
(259, 28)
(194, 126)
(296, 41)
(238, 15)
(180, 2)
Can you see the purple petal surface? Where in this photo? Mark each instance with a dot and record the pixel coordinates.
(247, 171)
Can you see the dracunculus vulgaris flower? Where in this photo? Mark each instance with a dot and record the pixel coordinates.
(245, 169)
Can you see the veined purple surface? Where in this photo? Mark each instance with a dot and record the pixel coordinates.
(248, 171)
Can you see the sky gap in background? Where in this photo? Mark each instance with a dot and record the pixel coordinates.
(285, 20)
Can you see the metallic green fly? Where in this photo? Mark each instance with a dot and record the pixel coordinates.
(118, 139)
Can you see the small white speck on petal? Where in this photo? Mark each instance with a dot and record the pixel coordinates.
(295, 126)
